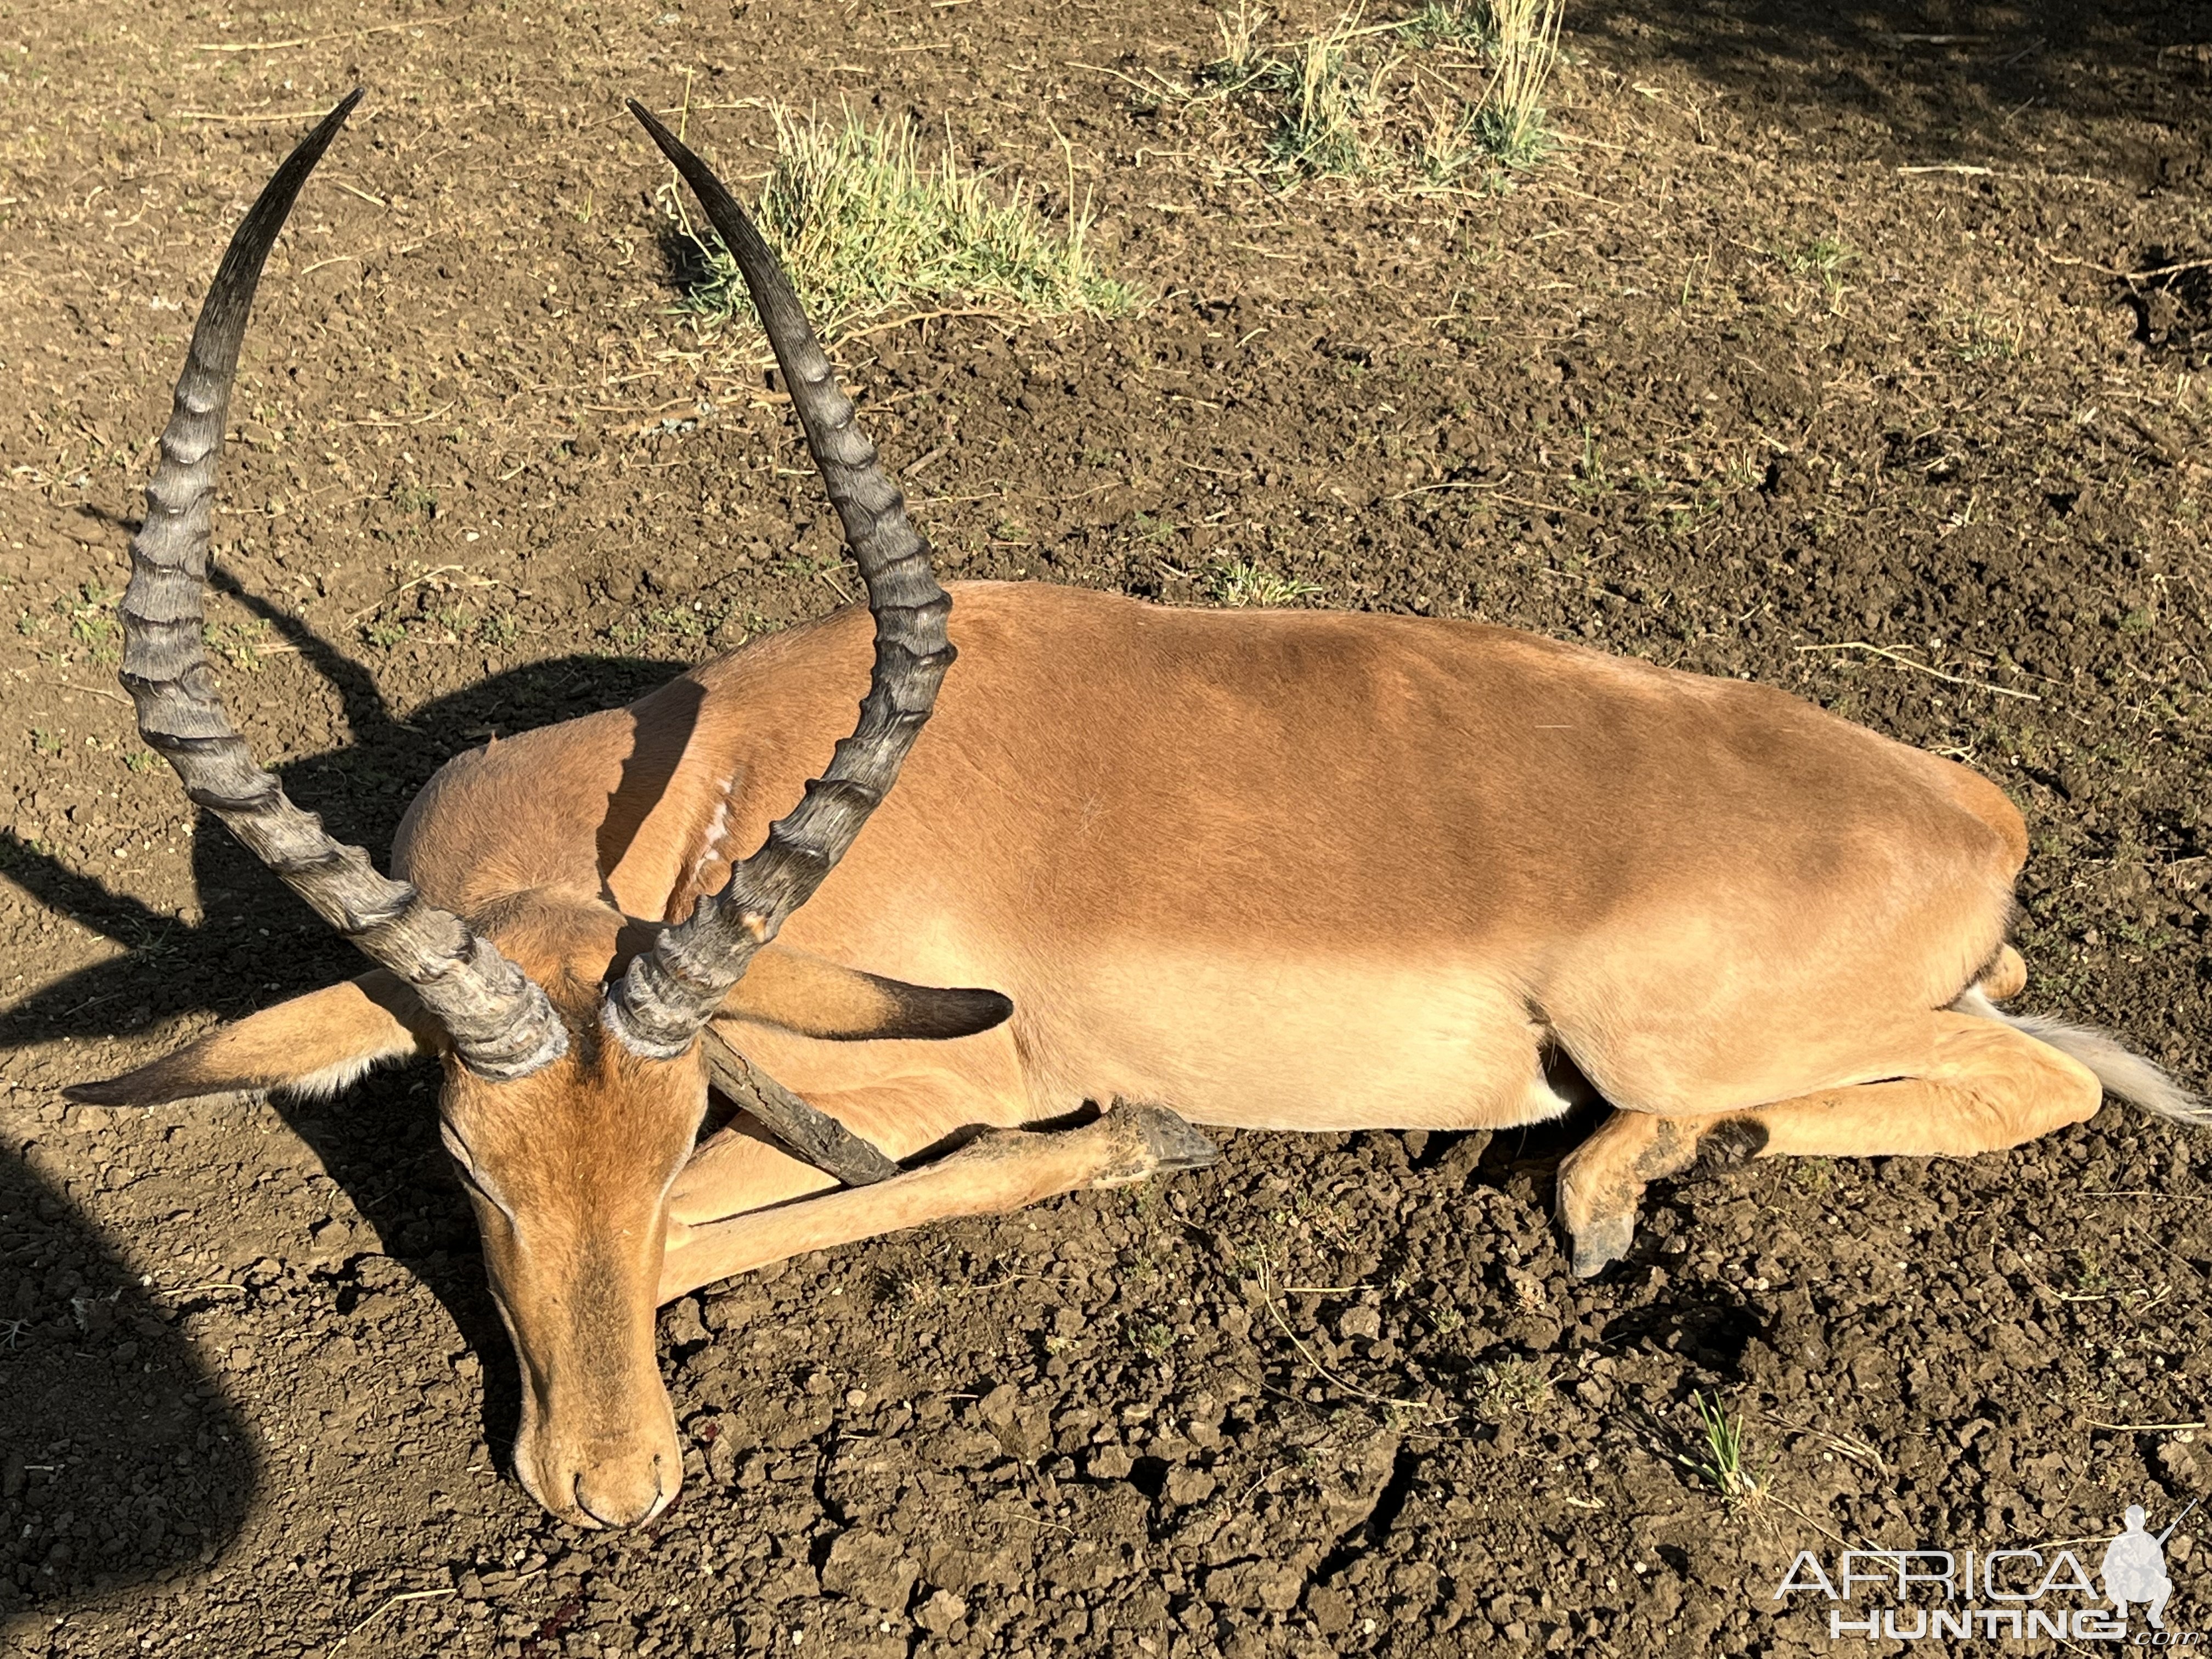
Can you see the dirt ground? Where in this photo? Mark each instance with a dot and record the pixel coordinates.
(1813, 337)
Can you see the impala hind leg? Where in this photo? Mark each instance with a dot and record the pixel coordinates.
(1970, 1086)
(999, 1170)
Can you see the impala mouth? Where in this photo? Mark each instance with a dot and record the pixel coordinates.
(606, 1495)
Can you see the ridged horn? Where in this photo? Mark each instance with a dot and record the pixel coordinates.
(501, 1026)
(670, 993)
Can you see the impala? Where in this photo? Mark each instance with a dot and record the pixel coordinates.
(1143, 868)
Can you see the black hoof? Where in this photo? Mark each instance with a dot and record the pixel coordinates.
(1171, 1143)
(1601, 1243)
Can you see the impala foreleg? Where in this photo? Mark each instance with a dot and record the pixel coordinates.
(999, 1170)
(1960, 1086)
(1601, 1181)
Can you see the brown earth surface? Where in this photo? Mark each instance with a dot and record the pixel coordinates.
(1813, 336)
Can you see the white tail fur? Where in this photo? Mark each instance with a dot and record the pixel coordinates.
(2119, 1068)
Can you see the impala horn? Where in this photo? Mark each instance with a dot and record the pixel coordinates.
(670, 993)
(500, 1025)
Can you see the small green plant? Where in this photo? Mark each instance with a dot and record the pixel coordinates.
(1513, 1387)
(1328, 95)
(410, 496)
(867, 226)
(30, 626)
(91, 620)
(1721, 1464)
(1154, 1338)
(385, 635)
(1823, 258)
(2089, 1279)
(1323, 100)
(1239, 583)
(46, 739)
(1812, 1175)
(497, 630)
(142, 760)
(1984, 338)
(1590, 482)
(680, 620)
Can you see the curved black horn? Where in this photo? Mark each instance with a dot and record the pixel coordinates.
(670, 993)
(501, 1026)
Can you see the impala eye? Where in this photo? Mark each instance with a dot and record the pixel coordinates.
(464, 1167)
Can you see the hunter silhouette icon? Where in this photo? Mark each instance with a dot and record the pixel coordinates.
(2134, 1567)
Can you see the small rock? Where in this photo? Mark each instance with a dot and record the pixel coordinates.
(2180, 1464)
(941, 1612)
(1275, 1586)
(1359, 1322)
(1330, 1610)
(684, 1328)
(1024, 1431)
(1109, 1463)
(870, 1567)
(1188, 1486)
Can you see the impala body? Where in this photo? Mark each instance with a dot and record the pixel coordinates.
(1285, 870)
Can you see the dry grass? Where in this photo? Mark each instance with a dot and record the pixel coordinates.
(1453, 92)
(1524, 49)
(870, 227)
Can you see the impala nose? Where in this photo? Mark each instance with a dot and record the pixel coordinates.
(624, 1489)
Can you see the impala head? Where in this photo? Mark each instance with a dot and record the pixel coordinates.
(569, 1035)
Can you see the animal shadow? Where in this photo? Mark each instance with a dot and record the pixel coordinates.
(118, 1450)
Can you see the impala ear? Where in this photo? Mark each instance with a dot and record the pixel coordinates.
(313, 1045)
(817, 997)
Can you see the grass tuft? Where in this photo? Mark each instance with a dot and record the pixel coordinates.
(1524, 49)
(1239, 583)
(1512, 1388)
(1400, 105)
(1720, 1465)
(1447, 22)
(868, 227)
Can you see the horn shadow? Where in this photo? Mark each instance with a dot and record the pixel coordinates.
(256, 944)
(366, 709)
